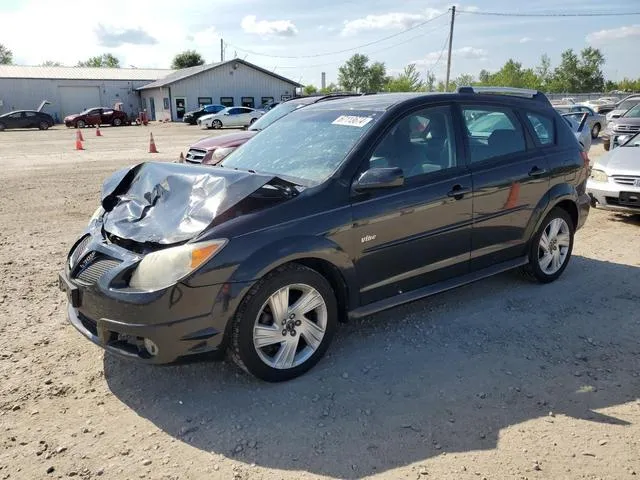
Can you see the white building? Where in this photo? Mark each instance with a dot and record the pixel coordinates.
(165, 94)
(234, 82)
(73, 89)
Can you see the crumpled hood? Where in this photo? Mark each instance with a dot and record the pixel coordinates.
(166, 203)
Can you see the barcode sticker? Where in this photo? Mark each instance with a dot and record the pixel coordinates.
(352, 121)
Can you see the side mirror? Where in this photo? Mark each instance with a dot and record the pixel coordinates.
(377, 178)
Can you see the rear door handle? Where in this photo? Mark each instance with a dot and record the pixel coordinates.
(537, 172)
(458, 191)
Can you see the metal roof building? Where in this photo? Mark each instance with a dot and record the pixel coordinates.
(165, 94)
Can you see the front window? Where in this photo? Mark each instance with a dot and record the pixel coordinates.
(627, 104)
(307, 146)
(634, 141)
(274, 114)
(633, 112)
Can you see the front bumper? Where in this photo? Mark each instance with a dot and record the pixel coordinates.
(614, 197)
(152, 327)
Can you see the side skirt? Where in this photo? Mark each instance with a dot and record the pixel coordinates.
(434, 289)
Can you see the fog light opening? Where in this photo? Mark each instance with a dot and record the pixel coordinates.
(152, 348)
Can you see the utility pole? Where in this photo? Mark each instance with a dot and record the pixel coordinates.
(453, 18)
(221, 50)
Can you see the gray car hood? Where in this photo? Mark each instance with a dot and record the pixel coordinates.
(167, 203)
(621, 161)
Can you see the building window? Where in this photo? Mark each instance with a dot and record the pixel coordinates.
(264, 101)
(202, 101)
(165, 101)
(226, 101)
(247, 102)
(284, 98)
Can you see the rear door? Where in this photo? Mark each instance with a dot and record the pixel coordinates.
(106, 115)
(419, 233)
(246, 114)
(233, 119)
(510, 177)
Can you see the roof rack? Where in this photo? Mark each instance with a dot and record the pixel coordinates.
(517, 92)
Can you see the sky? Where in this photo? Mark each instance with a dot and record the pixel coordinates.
(147, 34)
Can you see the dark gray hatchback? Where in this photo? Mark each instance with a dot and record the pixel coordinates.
(341, 209)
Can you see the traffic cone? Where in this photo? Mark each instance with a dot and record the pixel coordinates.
(79, 134)
(181, 159)
(79, 140)
(98, 134)
(152, 144)
(514, 194)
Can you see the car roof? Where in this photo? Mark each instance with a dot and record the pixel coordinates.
(19, 111)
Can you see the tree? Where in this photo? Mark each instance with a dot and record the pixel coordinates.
(440, 87)
(186, 59)
(50, 63)
(484, 77)
(310, 89)
(590, 70)
(430, 82)
(332, 87)
(566, 76)
(353, 75)
(106, 60)
(408, 81)
(376, 77)
(6, 56)
(464, 80)
(543, 70)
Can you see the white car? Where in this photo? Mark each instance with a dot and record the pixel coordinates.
(233, 117)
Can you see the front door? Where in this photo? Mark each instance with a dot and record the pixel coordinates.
(152, 108)
(420, 233)
(510, 177)
(181, 107)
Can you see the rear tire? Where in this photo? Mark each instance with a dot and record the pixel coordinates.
(595, 131)
(551, 247)
(43, 126)
(256, 321)
(116, 122)
(80, 124)
(253, 120)
(2, 127)
(216, 124)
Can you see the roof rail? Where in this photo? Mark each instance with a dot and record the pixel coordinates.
(518, 92)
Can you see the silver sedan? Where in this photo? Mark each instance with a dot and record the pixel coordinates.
(595, 121)
(614, 183)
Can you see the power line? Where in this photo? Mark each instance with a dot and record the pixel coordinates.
(415, 37)
(549, 14)
(325, 54)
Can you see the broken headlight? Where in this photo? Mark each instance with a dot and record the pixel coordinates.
(163, 268)
(96, 215)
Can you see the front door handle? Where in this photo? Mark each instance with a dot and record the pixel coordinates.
(537, 172)
(458, 191)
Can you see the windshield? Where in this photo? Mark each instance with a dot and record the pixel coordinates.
(634, 112)
(88, 110)
(274, 114)
(627, 104)
(633, 141)
(307, 145)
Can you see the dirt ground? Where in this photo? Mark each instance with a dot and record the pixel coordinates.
(502, 379)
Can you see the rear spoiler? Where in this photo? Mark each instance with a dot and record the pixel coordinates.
(516, 92)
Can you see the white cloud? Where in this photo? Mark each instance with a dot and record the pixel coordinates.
(205, 38)
(281, 28)
(388, 21)
(526, 40)
(603, 36)
(468, 53)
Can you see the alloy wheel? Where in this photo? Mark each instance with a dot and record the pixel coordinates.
(554, 245)
(290, 326)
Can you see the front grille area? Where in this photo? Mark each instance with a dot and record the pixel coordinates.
(195, 155)
(627, 128)
(626, 179)
(79, 250)
(92, 273)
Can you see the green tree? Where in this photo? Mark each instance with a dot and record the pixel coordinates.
(6, 56)
(376, 77)
(566, 76)
(50, 63)
(430, 81)
(544, 72)
(186, 59)
(590, 70)
(463, 80)
(353, 74)
(332, 87)
(440, 87)
(484, 77)
(513, 75)
(310, 89)
(105, 60)
(408, 81)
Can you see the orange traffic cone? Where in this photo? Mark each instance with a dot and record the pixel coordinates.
(98, 134)
(79, 134)
(152, 144)
(514, 194)
(79, 140)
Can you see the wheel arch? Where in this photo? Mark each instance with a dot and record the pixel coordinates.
(564, 196)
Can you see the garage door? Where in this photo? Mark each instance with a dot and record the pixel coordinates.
(77, 99)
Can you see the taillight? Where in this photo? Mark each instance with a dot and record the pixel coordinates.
(585, 158)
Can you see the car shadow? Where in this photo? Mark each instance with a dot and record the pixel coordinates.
(632, 219)
(444, 374)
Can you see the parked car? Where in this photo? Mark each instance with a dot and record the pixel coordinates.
(578, 124)
(339, 209)
(628, 123)
(623, 106)
(232, 117)
(595, 121)
(192, 117)
(614, 183)
(26, 119)
(97, 116)
(211, 150)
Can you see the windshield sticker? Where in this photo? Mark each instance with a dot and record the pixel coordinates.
(352, 121)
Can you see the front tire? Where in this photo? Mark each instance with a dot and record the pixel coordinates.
(2, 127)
(80, 124)
(551, 247)
(117, 122)
(43, 126)
(595, 131)
(285, 324)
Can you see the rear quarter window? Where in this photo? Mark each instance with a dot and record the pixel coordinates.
(543, 127)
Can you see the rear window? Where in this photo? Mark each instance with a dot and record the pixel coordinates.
(543, 128)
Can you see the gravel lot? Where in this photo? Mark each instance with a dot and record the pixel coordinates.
(502, 379)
